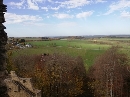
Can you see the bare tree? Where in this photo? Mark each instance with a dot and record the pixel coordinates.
(108, 72)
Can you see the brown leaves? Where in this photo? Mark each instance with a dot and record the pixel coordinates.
(108, 72)
(55, 74)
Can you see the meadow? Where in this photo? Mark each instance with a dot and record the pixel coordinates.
(88, 49)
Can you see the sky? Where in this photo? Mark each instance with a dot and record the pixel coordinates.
(40, 18)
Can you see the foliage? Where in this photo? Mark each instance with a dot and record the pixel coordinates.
(22, 41)
(63, 74)
(108, 72)
(9, 61)
(55, 74)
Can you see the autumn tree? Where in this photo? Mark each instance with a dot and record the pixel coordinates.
(57, 75)
(23, 65)
(108, 72)
(61, 75)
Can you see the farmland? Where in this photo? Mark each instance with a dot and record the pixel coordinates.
(88, 49)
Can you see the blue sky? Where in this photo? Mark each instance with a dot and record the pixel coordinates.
(38, 18)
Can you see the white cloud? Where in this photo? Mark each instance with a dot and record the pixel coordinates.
(63, 16)
(13, 18)
(32, 5)
(101, 1)
(40, 1)
(44, 8)
(18, 5)
(84, 14)
(48, 17)
(118, 6)
(125, 14)
(50, 1)
(55, 8)
(73, 3)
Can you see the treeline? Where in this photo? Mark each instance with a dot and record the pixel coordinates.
(59, 75)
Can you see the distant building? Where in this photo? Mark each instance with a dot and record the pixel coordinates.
(21, 87)
(28, 45)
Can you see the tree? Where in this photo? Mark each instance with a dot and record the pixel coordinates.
(108, 72)
(23, 65)
(60, 75)
(55, 74)
(22, 41)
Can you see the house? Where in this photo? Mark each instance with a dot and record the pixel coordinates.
(20, 87)
(28, 45)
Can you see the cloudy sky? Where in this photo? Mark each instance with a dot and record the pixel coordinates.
(26, 18)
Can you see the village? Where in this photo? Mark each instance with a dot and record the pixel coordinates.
(17, 44)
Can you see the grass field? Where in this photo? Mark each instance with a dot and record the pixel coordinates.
(88, 49)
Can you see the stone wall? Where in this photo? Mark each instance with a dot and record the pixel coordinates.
(3, 41)
(21, 87)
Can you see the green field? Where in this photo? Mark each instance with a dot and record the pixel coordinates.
(88, 49)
